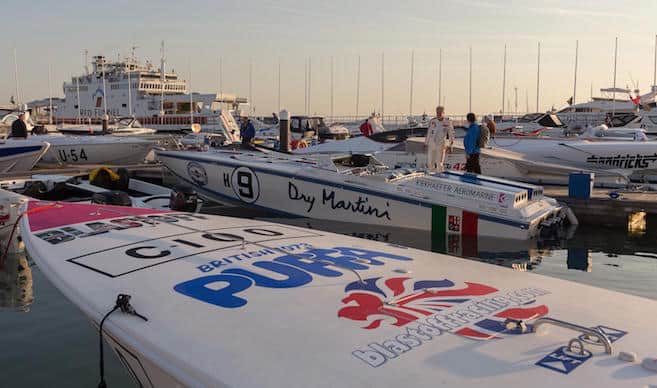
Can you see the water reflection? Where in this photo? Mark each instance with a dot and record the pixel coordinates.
(16, 283)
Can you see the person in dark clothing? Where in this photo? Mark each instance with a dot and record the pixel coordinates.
(247, 130)
(471, 145)
(19, 127)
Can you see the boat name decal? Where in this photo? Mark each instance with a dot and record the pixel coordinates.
(360, 206)
(623, 161)
(214, 264)
(430, 308)
(462, 191)
(68, 233)
(286, 271)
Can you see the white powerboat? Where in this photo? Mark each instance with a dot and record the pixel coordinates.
(206, 301)
(125, 126)
(85, 150)
(359, 189)
(21, 155)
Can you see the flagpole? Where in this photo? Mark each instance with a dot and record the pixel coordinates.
(357, 86)
(504, 80)
(470, 84)
(382, 84)
(410, 102)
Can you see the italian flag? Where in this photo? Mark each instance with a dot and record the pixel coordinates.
(454, 230)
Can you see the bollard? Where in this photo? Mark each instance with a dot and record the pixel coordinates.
(105, 123)
(10, 206)
(284, 131)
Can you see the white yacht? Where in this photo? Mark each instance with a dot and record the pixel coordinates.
(155, 96)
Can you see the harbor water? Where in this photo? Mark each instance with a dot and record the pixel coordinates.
(47, 341)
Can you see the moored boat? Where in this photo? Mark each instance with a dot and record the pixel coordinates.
(360, 189)
(21, 155)
(197, 300)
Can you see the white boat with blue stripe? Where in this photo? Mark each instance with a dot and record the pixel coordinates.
(20, 156)
(360, 189)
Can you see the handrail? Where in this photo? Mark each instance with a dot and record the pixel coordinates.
(567, 325)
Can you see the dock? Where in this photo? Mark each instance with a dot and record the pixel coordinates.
(630, 210)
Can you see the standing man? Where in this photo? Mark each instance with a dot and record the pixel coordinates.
(247, 130)
(471, 145)
(440, 129)
(19, 126)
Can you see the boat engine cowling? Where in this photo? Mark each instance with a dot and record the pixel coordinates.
(114, 198)
(183, 199)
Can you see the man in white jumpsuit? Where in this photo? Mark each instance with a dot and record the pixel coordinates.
(440, 129)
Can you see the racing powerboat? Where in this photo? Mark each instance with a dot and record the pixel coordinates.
(125, 126)
(21, 155)
(360, 189)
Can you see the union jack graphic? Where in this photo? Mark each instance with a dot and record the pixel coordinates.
(401, 300)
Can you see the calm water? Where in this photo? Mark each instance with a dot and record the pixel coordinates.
(45, 339)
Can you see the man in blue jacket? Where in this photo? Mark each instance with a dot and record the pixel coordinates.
(247, 130)
(471, 145)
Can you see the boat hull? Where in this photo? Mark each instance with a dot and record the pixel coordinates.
(15, 156)
(348, 201)
(86, 150)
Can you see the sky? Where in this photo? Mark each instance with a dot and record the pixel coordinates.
(263, 33)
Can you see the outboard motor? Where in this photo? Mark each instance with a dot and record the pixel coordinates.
(183, 199)
(115, 198)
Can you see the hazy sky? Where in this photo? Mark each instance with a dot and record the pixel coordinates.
(263, 31)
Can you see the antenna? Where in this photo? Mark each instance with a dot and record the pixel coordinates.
(86, 62)
(504, 80)
(357, 86)
(305, 86)
(410, 102)
(576, 62)
(77, 90)
(221, 68)
(515, 90)
(133, 48)
(538, 77)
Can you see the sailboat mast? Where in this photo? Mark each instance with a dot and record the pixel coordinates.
(191, 98)
(279, 84)
(163, 81)
(504, 80)
(470, 82)
(538, 77)
(357, 86)
(49, 94)
(104, 89)
(382, 85)
(251, 86)
(613, 102)
(576, 63)
(654, 71)
(310, 73)
(331, 107)
(410, 102)
(129, 88)
(440, 76)
(18, 96)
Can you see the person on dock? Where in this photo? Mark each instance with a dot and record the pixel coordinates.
(366, 128)
(247, 130)
(471, 145)
(19, 127)
(440, 130)
(490, 123)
